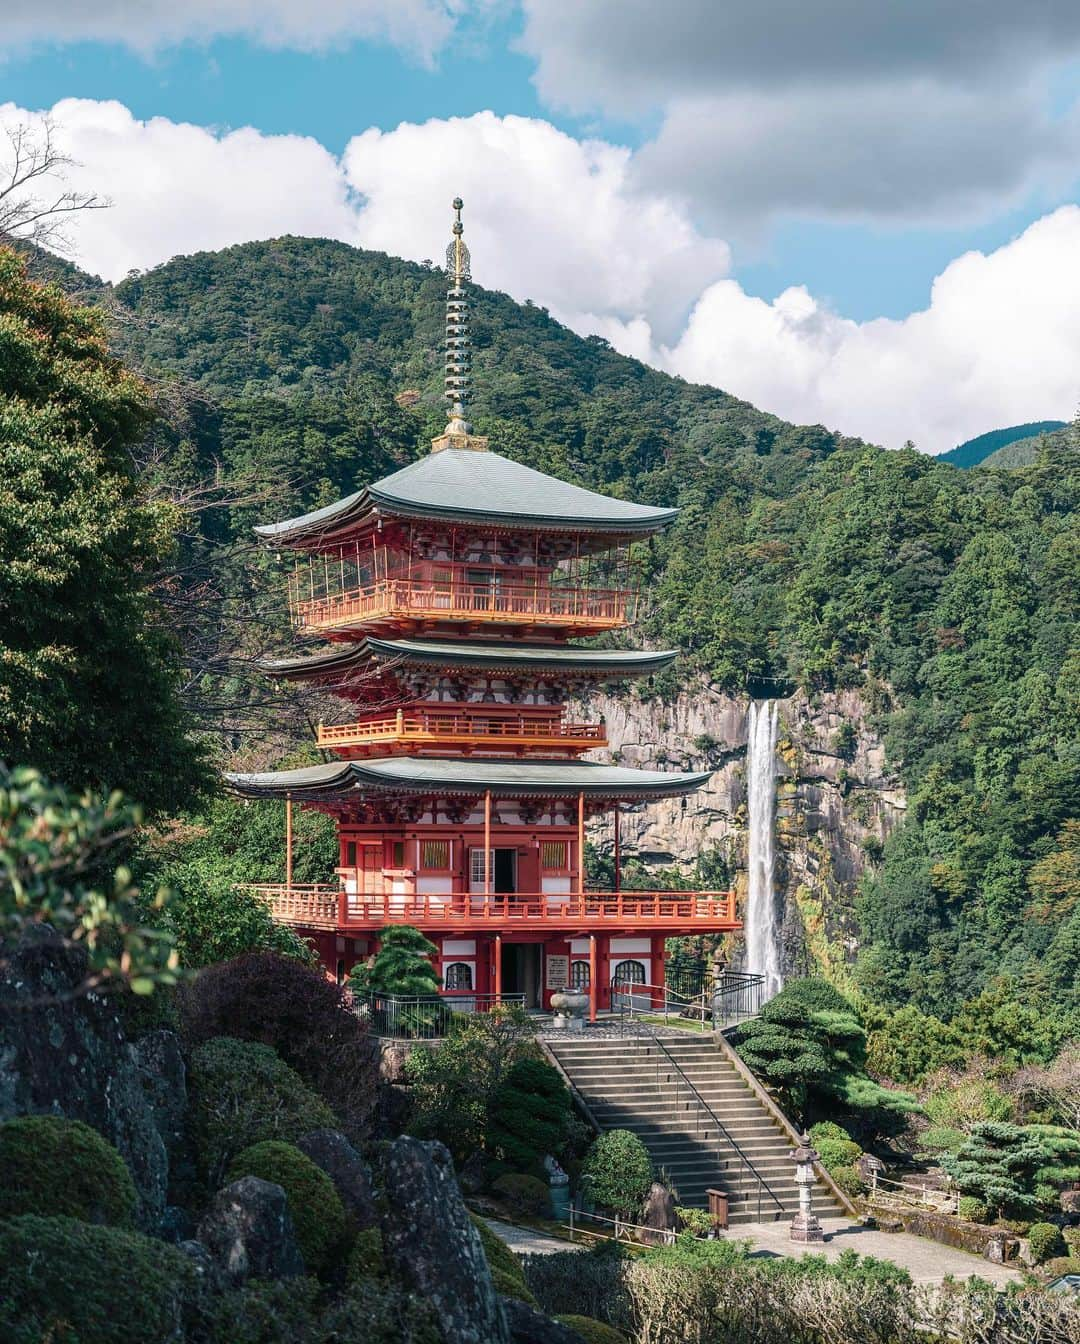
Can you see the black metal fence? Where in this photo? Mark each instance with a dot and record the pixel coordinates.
(733, 997)
(427, 1017)
(736, 995)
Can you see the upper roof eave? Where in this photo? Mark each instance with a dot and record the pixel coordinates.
(448, 485)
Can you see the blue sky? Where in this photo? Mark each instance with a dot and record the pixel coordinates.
(830, 172)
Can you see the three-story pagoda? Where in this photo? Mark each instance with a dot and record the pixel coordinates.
(447, 595)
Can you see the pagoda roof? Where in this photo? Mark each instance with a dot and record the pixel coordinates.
(339, 780)
(341, 659)
(466, 486)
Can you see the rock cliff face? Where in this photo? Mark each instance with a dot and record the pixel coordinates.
(836, 803)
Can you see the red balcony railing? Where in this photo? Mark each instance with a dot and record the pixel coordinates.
(465, 729)
(407, 602)
(328, 906)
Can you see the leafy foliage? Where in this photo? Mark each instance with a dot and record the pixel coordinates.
(618, 1171)
(88, 669)
(524, 1194)
(58, 866)
(293, 1008)
(315, 1207)
(65, 1280)
(530, 1115)
(58, 1167)
(1003, 1165)
(402, 964)
(808, 1044)
(243, 1094)
(1046, 1241)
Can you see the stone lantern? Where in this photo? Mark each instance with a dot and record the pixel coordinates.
(805, 1226)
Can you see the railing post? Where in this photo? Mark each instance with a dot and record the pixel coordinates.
(594, 988)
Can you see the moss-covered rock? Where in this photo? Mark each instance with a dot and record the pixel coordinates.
(523, 1194)
(496, 1252)
(366, 1257)
(315, 1207)
(62, 1279)
(510, 1285)
(243, 1094)
(57, 1167)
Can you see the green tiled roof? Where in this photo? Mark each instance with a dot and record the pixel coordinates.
(341, 659)
(461, 485)
(506, 779)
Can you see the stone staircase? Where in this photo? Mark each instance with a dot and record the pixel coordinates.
(630, 1083)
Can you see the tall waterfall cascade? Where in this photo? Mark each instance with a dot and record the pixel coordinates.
(763, 913)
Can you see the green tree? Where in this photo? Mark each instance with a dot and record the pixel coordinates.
(618, 1171)
(529, 1115)
(88, 669)
(401, 966)
(1003, 1165)
(60, 865)
(809, 1046)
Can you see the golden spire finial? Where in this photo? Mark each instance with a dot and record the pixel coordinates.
(458, 431)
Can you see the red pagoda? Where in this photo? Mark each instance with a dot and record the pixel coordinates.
(446, 595)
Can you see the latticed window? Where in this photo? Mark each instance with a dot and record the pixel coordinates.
(629, 973)
(435, 854)
(458, 975)
(476, 866)
(555, 855)
(579, 975)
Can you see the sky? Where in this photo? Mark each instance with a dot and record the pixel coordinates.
(861, 215)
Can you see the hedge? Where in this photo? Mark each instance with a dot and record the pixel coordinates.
(56, 1167)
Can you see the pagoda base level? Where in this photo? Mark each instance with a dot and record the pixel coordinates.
(515, 965)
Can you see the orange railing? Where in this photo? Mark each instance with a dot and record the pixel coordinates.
(491, 603)
(327, 906)
(435, 725)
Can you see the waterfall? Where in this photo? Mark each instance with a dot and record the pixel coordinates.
(763, 915)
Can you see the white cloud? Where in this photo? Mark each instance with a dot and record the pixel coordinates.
(999, 345)
(567, 224)
(417, 26)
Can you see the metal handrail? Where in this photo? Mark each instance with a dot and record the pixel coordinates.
(744, 985)
(762, 1183)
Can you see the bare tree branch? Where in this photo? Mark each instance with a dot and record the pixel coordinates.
(34, 202)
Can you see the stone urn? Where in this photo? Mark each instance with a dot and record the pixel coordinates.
(569, 1007)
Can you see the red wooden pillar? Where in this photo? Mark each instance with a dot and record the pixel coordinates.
(498, 968)
(593, 978)
(487, 858)
(618, 877)
(288, 842)
(581, 846)
(658, 953)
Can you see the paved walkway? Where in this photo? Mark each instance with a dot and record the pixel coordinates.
(925, 1260)
(525, 1241)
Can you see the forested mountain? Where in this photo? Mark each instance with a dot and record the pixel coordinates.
(979, 450)
(296, 369)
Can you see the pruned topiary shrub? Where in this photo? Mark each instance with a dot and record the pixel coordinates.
(835, 1147)
(57, 1167)
(972, 1210)
(1045, 1241)
(261, 1312)
(848, 1179)
(618, 1171)
(523, 1194)
(64, 1280)
(593, 1332)
(242, 1094)
(530, 1115)
(315, 1206)
(305, 1018)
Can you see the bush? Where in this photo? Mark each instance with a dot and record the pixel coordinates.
(402, 964)
(66, 1280)
(942, 1139)
(496, 1252)
(593, 1332)
(848, 1179)
(618, 1171)
(509, 1285)
(698, 1222)
(524, 1194)
(1004, 1165)
(837, 1153)
(366, 1257)
(315, 1207)
(530, 1115)
(242, 1094)
(972, 1210)
(1045, 1241)
(376, 1313)
(278, 1001)
(266, 1313)
(51, 1166)
(825, 1130)
(1062, 1264)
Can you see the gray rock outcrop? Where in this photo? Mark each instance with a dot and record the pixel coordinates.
(531, 1327)
(248, 1233)
(332, 1151)
(65, 1053)
(658, 1214)
(431, 1247)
